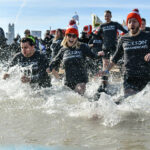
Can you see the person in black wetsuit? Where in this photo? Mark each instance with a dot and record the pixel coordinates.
(73, 55)
(143, 26)
(108, 30)
(47, 41)
(56, 42)
(95, 45)
(86, 34)
(29, 57)
(135, 48)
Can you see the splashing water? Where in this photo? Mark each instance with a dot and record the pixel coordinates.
(59, 116)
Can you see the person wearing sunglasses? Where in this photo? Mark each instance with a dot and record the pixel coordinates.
(32, 63)
(73, 54)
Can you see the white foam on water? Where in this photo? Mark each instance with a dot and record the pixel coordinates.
(63, 114)
(60, 99)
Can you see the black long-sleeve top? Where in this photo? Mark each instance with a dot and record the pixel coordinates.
(74, 63)
(109, 33)
(134, 49)
(55, 47)
(34, 67)
(97, 41)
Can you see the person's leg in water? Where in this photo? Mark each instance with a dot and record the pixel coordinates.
(103, 86)
(132, 85)
(106, 62)
(79, 87)
(105, 66)
(129, 92)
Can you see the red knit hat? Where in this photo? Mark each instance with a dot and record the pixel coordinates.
(134, 14)
(87, 29)
(52, 32)
(72, 28)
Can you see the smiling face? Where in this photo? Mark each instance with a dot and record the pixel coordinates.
(133, 26)
(71, 39)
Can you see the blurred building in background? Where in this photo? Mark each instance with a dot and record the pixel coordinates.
(10, 35)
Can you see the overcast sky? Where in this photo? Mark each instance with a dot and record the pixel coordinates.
(41, 14)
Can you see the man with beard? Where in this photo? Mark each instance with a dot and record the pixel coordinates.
(135, 48)
(34, 64)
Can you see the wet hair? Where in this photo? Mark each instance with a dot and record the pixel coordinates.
(143, 19)
(29, 40)
(108, 11)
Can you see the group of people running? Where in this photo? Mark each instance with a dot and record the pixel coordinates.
(70, 50)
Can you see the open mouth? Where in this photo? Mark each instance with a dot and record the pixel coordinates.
(132, 28)
(71, 42)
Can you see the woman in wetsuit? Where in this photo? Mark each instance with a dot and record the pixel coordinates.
(73, 55)
(56, 42)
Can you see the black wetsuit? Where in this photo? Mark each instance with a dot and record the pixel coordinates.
(96, 40)
(74, 64)
(55, 47)
(134, 49)
(47, 42)
(94, 65)
(84, 38)
(109, 34)
(34, 67)
(147, 29)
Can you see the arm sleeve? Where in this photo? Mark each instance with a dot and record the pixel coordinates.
(120, 27)
(43, 65)
(56, 49)
(87, 52)
(91, 41)
(147, 28)
(119, 52)
(56, 60)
